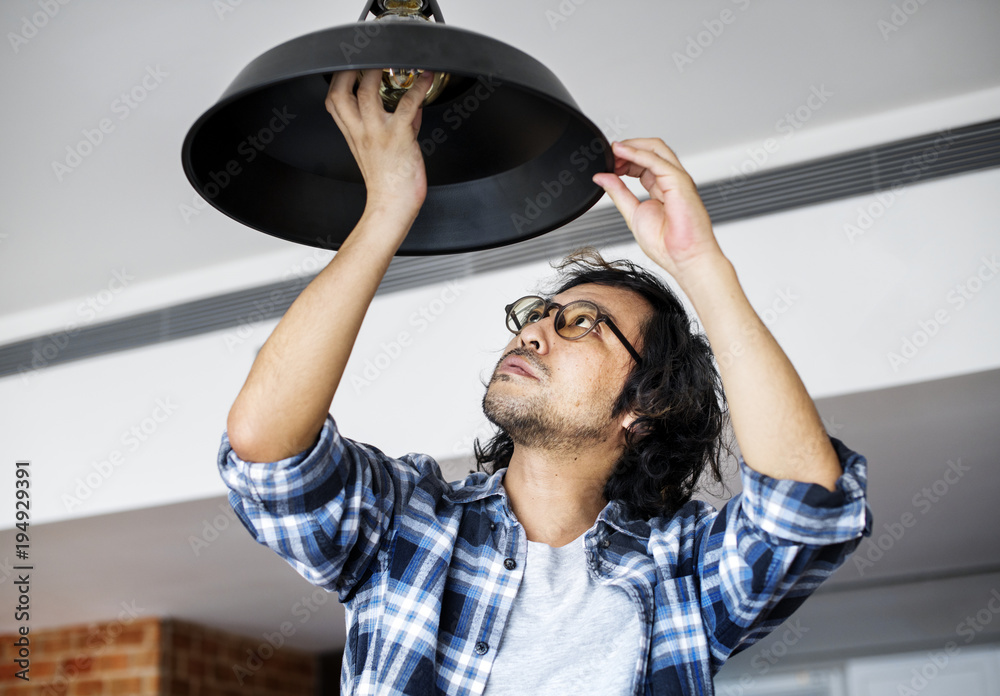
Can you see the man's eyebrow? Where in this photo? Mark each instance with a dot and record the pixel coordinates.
(602, 308)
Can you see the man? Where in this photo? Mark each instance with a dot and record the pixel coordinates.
(576, 563)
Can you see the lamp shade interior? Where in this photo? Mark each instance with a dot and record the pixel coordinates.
(508, 154)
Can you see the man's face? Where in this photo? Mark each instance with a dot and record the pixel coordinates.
(555, 393)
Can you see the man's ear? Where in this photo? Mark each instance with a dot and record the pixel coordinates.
(628, 419)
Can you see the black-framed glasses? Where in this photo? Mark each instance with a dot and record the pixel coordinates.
(573, 321)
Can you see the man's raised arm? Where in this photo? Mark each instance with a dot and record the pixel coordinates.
(775, 421)
(285, 400)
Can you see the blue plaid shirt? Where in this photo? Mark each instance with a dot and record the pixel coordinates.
(428, 570)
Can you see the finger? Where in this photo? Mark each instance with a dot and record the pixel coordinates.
(628, 168)
(647, 159)
(621, 166)
(650, 183)
(624, 162)
(647, 179)
(624, 200)
(369, 101)
(340, 100)
(343, 107)
(409, 106)
(655, 145)
(417, 120)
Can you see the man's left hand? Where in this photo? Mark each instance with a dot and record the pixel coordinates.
(672, 227)
(778, 429)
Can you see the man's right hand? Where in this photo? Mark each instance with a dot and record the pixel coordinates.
(287, 396)
(384, 144)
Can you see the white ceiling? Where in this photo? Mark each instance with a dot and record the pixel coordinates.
(61, 240)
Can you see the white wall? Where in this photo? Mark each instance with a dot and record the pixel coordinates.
(950, 670)
(839, 300)
(847, 304)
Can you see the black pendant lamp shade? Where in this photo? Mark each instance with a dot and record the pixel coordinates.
(508, 154)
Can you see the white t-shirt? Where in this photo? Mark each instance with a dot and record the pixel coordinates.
(567, 633)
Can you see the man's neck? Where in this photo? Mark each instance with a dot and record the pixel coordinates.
(557, 496)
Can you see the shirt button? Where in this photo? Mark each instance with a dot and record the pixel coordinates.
(509, 563)
(481, 648)
(606, 543)
(493, 525)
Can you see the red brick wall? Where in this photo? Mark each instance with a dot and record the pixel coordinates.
(104, 659)
(205, 662)
(154, 657)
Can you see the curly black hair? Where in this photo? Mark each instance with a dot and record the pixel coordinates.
(676, 393)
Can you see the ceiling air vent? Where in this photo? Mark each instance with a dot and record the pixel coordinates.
(856, 173)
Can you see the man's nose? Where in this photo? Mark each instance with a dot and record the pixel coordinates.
(539, 335)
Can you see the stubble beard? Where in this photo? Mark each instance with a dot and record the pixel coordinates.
(532, 420)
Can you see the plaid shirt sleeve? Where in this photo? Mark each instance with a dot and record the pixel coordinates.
(326, 510)
(771, 546)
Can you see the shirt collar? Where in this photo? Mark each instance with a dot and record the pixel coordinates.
(614, 516)
(478, 486)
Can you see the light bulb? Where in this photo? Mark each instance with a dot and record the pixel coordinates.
(397, 81)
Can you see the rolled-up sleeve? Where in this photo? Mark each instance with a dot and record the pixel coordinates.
(806, 513)
(325, 510)
(772, 545)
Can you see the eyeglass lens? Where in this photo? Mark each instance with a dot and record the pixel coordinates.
(572, 321)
